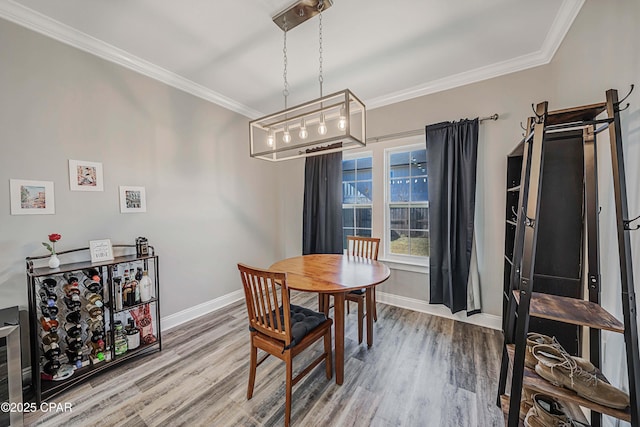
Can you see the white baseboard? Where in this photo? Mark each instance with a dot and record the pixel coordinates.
(480, 319)
(176, 319)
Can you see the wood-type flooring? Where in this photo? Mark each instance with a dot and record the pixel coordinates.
(422, 370)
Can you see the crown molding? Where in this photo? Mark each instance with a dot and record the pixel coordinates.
(564, 18)
(29, 18)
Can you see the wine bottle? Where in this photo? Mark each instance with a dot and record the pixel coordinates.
(49, 337)
(49, 311)
(47, 296)
(94, 310)
(50, 283)
(75, 358)
(93, 298)
(138, 273)
(71, 289)
(51, 367)
(70, 278)
(51, 351)
(74, 316)
(73, 303)
(74, 344)
(49, 325)
(73, 330)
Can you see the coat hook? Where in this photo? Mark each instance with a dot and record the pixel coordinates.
(622, 109)
(538, 117)
(627, 224)
(523, 128)
(630, 90)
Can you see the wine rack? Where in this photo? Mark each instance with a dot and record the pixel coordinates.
(87, 317)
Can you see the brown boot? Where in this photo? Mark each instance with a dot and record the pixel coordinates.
(534, 338)
(525, 402)
(548, 412)
(561, 369)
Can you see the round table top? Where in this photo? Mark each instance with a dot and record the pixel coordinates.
(327, 273)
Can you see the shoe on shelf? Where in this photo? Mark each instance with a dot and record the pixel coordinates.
(526, 402)
(534, 338)
(560, 369)
(548, 412)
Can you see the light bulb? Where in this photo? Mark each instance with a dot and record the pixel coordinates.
(342, 121)
(322, 127)
(286, 136)
(270, 139)
(303, 130)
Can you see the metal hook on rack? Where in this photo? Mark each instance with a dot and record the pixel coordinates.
(627, 224)
(627, 95)
(538, 118)
(622, 109)
(514, 212)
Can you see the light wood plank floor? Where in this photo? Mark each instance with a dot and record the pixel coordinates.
(422, 371)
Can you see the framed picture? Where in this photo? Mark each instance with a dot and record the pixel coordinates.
(101, 250)
(85, 176)
(132, 199)
(32, 197)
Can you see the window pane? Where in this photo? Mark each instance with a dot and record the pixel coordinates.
(419, 190)
(346, 232)
(399, 165)
(363, 217)
(364, 169)
(347, 217)
(399, 242)
(418, 162)
(399, 190)
(348, 169)
(399, 218)
(349, 193)
(364, 232)
(364, 192)
(420, 243)
(419, 219)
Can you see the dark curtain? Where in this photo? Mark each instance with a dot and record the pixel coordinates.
(452, 150)
(322, 212)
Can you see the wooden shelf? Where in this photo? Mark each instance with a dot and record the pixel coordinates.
(576, 114)
(571, 310)
(568, 397)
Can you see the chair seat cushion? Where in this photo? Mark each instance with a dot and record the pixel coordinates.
(303, 321)
(358, 292)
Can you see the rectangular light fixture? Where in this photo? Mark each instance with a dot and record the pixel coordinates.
(331, 123)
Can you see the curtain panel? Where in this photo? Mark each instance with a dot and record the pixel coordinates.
(322, 211)
(452, 149)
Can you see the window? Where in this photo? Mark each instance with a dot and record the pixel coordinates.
(407, 202)
(356, 197)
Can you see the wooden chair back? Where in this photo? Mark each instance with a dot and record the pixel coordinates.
(267, 296)
(366, 247)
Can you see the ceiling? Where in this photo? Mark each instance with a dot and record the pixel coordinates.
(231, 53)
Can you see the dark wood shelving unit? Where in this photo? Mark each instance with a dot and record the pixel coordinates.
(537, 284)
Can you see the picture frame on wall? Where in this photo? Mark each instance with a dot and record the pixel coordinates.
(101, 250)
(132, 199)
(85, 176)
(32, 197)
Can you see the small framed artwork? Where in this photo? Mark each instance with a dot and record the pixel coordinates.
(85, 176)
(32, 197)
(101, 250)
(132, 199)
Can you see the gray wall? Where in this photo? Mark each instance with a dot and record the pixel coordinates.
(209, 205)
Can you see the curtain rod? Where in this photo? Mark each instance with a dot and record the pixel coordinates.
(417, 132)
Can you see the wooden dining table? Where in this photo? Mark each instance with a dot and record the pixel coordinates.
(335, 275)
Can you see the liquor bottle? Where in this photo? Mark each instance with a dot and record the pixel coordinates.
(93, 298)
(73, 330)
(49, 337)
(74, 344)
(47, 296)
(70, 278)
(73, 303)
(138, 273)
(51, 351)
(49, 325)
(146, 287)
(49, 311)
(50, 283)
(75, 358)
(51, 367)
(94, 311)
(74, 316)
(120, 342)
(133, 336)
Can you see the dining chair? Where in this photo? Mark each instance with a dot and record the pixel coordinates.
(280, 328)
(366, 247)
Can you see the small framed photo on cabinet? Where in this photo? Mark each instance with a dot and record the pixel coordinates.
(101, 250)
(132, 199)
(31, 197)
(85, 176)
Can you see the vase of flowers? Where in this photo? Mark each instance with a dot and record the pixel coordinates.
(54, 262)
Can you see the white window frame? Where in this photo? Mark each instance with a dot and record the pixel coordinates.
(354, 156)
(422, 261)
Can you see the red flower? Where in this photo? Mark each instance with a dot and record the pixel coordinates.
(54, 237)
